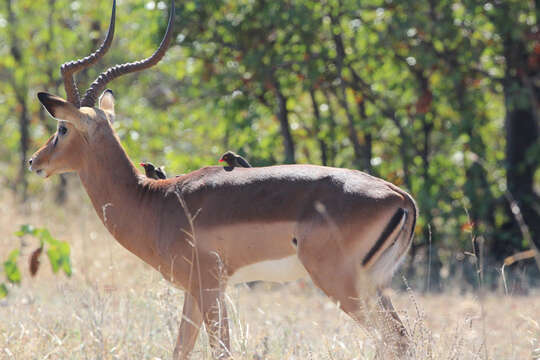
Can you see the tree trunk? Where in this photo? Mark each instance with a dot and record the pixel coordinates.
(283, 116)
(433, 280)
(522, 136)
(53, 86)
(24, 122)
(332, 151)
(20, 91)
(353, 136)
(368, 140)
(481, 210)
(341, 96)
(317, 121)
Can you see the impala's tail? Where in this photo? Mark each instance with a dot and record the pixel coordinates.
(390, 249)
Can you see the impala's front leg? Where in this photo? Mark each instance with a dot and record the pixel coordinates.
(189, 328)
(214, 314)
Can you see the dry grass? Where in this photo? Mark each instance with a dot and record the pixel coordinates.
(115, 307)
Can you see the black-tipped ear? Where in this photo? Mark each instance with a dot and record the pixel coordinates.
(51, 103)
(60, 109)
(106, 101)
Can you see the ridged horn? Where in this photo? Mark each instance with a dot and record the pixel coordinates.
(70, 68)
(89, 98)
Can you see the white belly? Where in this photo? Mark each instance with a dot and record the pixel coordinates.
(282, 270)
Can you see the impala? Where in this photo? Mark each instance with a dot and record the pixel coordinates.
(212, 227)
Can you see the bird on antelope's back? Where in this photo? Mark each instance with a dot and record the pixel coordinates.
(234, 160)
(153, 172)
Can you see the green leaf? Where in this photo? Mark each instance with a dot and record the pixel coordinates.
(3, 290)
(45, 236)
(58, 252)
(14, 255)
(26, 229)
(54, 258)
(11, 269)
(66, 266)
(65, 259)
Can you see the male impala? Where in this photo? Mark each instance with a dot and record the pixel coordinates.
(211, 227)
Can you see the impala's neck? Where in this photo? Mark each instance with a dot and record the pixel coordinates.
(116, 191)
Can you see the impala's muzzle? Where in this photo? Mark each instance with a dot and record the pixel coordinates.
(33, 168)
(30, 164)
(40, 159)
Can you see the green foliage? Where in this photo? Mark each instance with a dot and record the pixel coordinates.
(58, 253)
(11, 269)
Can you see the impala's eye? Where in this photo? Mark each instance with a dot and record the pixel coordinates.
(62, 130)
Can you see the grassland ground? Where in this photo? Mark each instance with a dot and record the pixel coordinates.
(116, 307)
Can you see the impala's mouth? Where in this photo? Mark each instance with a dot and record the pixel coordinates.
(41, 173)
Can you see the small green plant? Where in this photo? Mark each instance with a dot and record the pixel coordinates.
(57, 251)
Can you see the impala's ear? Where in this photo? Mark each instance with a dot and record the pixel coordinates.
(106, 101)
(60, 109)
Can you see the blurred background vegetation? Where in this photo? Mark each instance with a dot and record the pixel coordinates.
(440, 97)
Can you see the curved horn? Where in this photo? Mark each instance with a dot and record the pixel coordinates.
(99, 84)
(70, 68)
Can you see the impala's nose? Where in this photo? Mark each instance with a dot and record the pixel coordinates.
(30, 164)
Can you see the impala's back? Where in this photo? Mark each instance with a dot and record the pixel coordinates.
(269, 213)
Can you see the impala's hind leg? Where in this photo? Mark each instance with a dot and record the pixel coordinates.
(343, 280)
(398, 336)
(386, 303)
(337, 279)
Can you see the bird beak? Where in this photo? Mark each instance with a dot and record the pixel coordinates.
(142, 164)
(221, 160)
